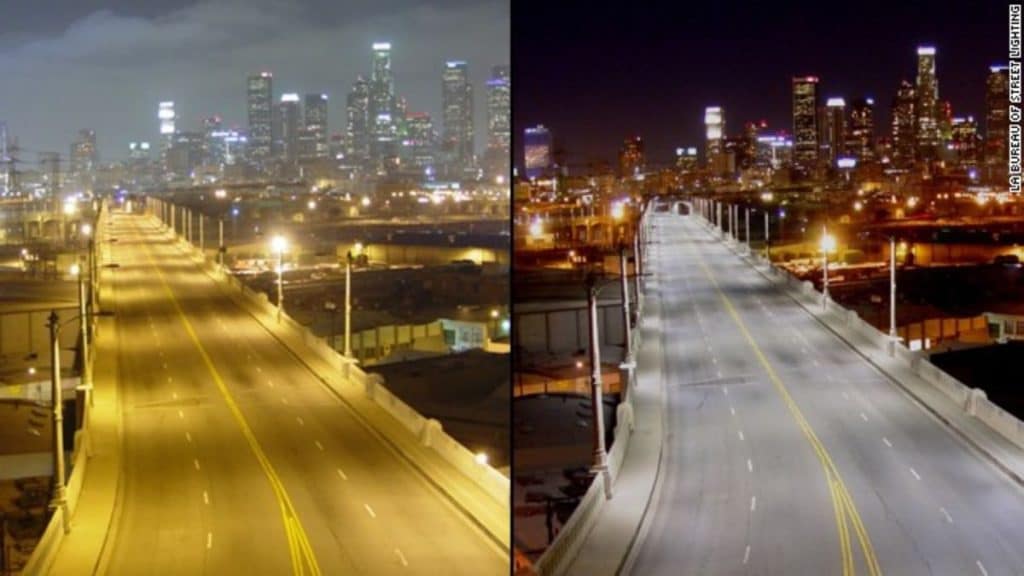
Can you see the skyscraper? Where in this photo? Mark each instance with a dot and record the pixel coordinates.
(631, 157)
(313, 135)
(714, 125)
(805, 121)
(860, 140)
(457, 102)
(357, 123)
(418, 144)
(904, 144)
(260, 98)
(84, 158)
(287, 145)
(964, 143)
(536, 151)
(382, 114)
(926, 107)
(997, 160)
(835, 129)
(499, 94)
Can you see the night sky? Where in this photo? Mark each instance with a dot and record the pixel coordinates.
(594, 74)
(71, 64)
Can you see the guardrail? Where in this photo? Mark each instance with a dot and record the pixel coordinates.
(428, 431)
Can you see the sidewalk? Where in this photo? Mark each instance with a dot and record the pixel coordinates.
(617, 526)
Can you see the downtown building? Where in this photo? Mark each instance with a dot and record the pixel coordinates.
(259, 107)
(805, 122)
(313, 135)
(997, 103)
(926, 107)
(537, 148)
(631, 157)
(904, 142)
(497, 159)
(457, 103)
(383, 113)
(357, 125)
(860, 136)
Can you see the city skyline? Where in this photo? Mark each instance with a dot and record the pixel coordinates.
(628, 91)
(298, 44)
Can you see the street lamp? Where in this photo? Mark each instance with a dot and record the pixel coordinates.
(828, 244)
(892, 296)
(348, 303)
(77, 271)
(279, 244)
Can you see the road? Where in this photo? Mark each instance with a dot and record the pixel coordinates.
(237, 459)
(787, 453)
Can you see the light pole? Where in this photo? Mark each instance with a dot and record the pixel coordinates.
(892, 296)
(77, 271)
(767, 237)
(59, 495)
(600, 456)
(625, 300)
(279, 244)
(746, 222)
(348, 304)
(828, 243)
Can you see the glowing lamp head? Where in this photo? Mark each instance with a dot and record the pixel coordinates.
(536, 228)
(279, 244)
(86, 229)
(481, 458)
(618, 210)
(75, 270)
(828, 242)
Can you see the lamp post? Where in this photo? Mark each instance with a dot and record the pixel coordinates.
(279, 244)
(767, 237)
(220, 248)
(746, 222)
(828, 243)
(59, 500)
(77, 271)
(348, 305)
(892, 296)
(600, 456)
(331, 307)
(625, 301)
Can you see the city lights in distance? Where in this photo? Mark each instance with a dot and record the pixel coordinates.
(828, 242)
(536, 228)
(279, 244)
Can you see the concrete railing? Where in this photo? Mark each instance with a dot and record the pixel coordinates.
(49, 543)
(428, 432)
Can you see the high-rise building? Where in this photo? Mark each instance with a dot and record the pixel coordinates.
(167, 116)
(714, 126)
(860, 139)
(184, 155)
(418, 144)
(84, 158)
(288, 122)
(536, 151)
(904, 143)
(805, 121)
(313, 134)
(212, 151)
(357, 126)
(687, 160)
(835, 130)
(926, 108)
(631, 157)
(997, 104)
(260, 101)
(774, 151)
(964, 143)
(383, 118)
(499, 132)
(457, 102)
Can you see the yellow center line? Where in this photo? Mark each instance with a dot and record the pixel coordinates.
(842, 502)
(301, 552)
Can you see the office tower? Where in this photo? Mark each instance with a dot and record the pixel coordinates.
(964, 143)
(138, 151)
(631, 157)
(287, 132)
(686, 160)
(418, 144)
(746, 149)
(457, 102)
(84, 158)
(138, 162)
(382, 114)
(904, 144)
(860, 137)
(167, 116)
(997, 103)
(313, 134)
(536, 151)
(357, 126)
(926, 108)
(835, 129)
(212, 151)
(773, 151)
(260, 99)
(184, 154)
(499, 133)
(714, 124)
(805, 121)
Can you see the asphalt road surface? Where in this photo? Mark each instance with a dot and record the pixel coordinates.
(787, 453)
(236, 458)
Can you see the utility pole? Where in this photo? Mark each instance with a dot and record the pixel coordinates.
(59, 500)
(600, 456)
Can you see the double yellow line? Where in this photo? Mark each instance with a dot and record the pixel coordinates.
(842, 503)
(302, 556)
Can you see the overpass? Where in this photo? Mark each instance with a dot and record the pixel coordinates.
(789, 441)
(239, 450)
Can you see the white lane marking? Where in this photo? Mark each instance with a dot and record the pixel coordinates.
(732, 410)
(209, 540)
(804, 350)
(725, 390)
(196, 463)
(714, 360)
(342, 474)
(740, 432)
(258, 369)
(370, 511)
(816, 363)
(746, 554)
(401, 557)
(981, 567)
(753, 503)
(270, 383)
(846, 396)
(887, 443)
(284, 400)
(750, 465)
(248, 356)
(863, 417)
(206, 497)
(165, 365)
(188, 436)
(828, 377)
(174, 395)
(300, 420)
(181, 414)
(719, 373)
(914, 472)
(169, 379)
(319, 445)
(946, 514)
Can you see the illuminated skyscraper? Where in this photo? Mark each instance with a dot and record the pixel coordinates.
(287, 145)
(686, 160)
(805, 121)
(418, 144)
(860, 140)
(537, 151)
(357, 126)
(835, 129)
(260, 99)
(997, 105)
(714, 127)
(964, 143)
(84, 158)
(457, 102)
(926, 108)
(631, 157)
(382, 117)
(313, 134)
(499, 97)
(903, 114)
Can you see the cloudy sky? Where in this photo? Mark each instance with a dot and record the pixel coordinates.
(70, 64)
